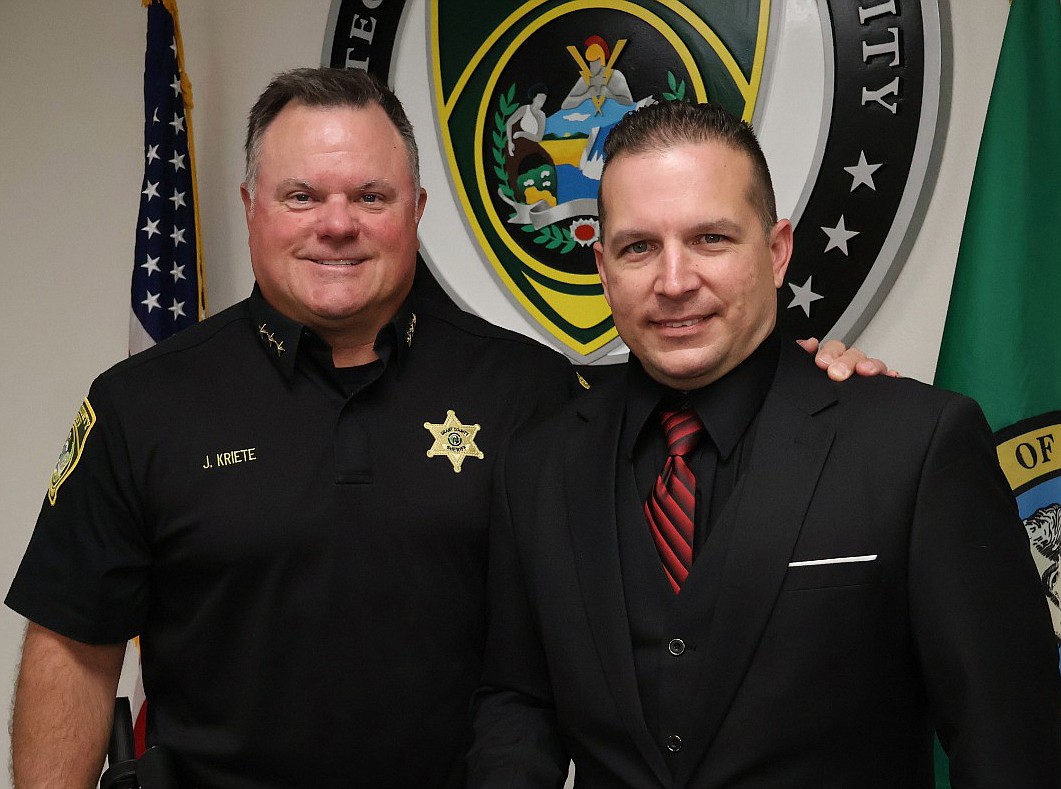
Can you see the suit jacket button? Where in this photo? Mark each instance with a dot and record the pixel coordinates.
(676, 646)
(674, 743)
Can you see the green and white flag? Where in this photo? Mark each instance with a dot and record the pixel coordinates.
(1002, 340)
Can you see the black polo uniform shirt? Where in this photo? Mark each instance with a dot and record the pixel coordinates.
(302, 549)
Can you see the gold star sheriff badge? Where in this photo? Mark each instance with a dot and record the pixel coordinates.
(453, 440)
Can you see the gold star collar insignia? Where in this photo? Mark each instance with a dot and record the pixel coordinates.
(269, 338)
(410, 330)
(453, 440)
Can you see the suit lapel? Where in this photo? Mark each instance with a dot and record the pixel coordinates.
(793, 438)
(590, 490)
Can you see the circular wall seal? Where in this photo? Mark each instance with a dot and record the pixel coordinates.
(845, 99)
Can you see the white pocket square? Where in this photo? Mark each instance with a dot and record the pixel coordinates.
(835, 560)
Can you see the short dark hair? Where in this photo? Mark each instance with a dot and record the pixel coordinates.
(324, 87)
(659, 127)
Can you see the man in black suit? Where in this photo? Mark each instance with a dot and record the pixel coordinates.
(727, 570)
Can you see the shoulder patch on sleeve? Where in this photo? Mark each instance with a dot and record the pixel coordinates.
(72, 448)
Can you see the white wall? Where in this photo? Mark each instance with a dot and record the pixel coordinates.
(70, 170)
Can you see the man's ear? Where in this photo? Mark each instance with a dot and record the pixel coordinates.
(780, 249)
(598, 256)
(248, 201)
(421, 203)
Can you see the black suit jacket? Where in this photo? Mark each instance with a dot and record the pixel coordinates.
(804, 672)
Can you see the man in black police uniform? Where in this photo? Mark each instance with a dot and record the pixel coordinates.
(840, 570)
(289, 500)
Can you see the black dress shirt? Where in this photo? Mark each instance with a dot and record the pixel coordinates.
(727, 408)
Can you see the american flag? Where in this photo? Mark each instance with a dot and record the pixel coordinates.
(168, 290)
(167, 284)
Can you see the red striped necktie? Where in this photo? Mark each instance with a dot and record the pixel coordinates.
(671, 505)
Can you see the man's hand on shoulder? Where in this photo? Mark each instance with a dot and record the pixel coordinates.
(840, 362)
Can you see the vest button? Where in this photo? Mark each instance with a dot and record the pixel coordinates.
(674, 743)
(676, 646)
